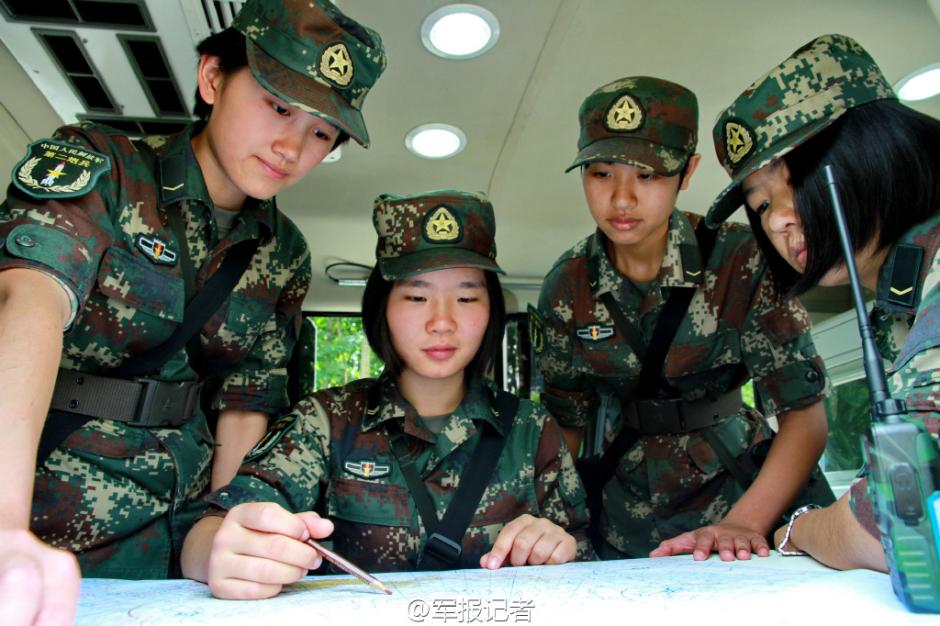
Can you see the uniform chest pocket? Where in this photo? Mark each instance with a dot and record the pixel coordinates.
(369, 502)
(139, 284)
(602, 352)
(715, 351)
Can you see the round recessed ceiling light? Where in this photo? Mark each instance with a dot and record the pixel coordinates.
(435, 141)
(919, 85)
(460, 31)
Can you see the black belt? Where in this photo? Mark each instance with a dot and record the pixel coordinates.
(654, 417)
(140, 402)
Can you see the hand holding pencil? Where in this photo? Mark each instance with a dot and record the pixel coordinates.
(259, 547)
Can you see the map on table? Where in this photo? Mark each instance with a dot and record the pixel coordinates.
(759, 591)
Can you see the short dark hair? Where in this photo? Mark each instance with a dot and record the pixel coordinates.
(884, 157)
(375, 324)
(229, 46)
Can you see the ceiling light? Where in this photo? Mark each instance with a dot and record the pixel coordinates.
(919, 85)
(348, 274)
(459, 31)
(435, 141)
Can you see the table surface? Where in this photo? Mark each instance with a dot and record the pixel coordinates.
(763, 591)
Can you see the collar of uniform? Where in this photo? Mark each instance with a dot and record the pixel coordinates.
(902, 275)
(682, 263)
(256, 220)
(180, 176)
(681, 267)
(476, 405)
(602, 274)
(181, 179)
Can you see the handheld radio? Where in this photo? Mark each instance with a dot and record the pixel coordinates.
(903, 462)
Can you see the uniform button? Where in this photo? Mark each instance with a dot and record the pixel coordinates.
(812, 376)
(26, 241)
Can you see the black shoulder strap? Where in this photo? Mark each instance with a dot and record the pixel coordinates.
(445, 536)
(667, 325)
(631, 333)
(206, 302)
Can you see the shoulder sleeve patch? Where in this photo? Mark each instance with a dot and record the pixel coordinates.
(277, 430)
(536, 330)
(54, 169)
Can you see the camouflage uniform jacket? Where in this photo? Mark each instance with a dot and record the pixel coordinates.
(329, 442)
(909, 337)
(125, 302)
(737, 328)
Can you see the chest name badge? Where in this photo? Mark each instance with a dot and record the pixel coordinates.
(595, 332)
(367, 469)
(156, 250)
(52, 169)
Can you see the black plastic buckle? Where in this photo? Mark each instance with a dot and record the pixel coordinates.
(442, 548)
(164, 403)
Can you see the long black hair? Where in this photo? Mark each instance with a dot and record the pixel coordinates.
(229, 46)
(886, 161)
(375, 324)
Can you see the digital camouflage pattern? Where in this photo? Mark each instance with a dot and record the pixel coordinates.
(330, 447)
(646, 122)
(117, 495)
(909, 337)
(737, 328)
(434, 230)
(791, 103)
(314, 57)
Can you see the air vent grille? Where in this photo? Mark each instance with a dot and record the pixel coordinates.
(220, 13)
(67, 51)
(125, 14)
(149, 62)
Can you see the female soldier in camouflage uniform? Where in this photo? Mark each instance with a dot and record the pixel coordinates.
(828, 103)
(433, 310)
(108, 238)
(680, 466)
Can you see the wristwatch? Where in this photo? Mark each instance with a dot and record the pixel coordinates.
(786, 536)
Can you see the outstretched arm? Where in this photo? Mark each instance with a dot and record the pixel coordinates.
(38, 583)
(834, 537)
(795, 450)
(33, 312)
(235, 434)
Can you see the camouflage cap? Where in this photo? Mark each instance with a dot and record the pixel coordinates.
(310, 55)
(789, 104)
(435, 230)
(647, 122)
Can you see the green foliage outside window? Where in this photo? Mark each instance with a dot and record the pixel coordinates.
(747, 394)
(342, 353)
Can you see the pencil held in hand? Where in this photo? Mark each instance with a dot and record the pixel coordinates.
(348, 567)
